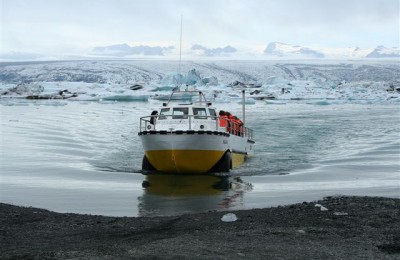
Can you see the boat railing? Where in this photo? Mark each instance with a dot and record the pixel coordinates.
(178, 94)
(151, 123)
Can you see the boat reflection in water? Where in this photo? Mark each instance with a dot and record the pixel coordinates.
(168, 195)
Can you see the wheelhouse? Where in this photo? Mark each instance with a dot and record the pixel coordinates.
(183, 112)
(184, 117)
(197, 116)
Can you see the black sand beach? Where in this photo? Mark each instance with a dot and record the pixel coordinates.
(350, 228)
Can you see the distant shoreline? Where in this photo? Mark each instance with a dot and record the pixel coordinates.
(333, 228)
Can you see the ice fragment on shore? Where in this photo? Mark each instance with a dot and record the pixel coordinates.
(230, 217)
(321, 207)
(340, 213)
(301, 231)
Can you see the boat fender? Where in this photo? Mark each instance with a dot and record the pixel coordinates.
(224, 164)
(146, 184)
(146, 165)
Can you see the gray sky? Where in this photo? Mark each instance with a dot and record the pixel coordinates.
(76, 26)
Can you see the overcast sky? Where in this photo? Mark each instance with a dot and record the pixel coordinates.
(76, 26)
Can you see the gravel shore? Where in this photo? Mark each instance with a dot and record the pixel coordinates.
(333, 228)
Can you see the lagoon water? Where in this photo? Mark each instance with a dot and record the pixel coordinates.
(85, 157)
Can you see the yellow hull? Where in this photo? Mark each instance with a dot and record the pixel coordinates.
(194, 153)
(237, 159)
(189, 161)
(183, 161)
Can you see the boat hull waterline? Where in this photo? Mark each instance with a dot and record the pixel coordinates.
(193, 153)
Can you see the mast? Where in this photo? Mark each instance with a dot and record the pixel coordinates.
(244, 107)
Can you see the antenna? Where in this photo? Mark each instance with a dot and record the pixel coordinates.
(180, 53)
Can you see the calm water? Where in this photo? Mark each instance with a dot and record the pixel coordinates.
(86, 158)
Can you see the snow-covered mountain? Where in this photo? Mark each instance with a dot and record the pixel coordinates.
(383, 52)
(274, 50)
(284, 50)
(346, 53)
(204, 51)
(122, 50)
(293, 51)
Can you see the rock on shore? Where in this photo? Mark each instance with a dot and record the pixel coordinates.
(333, 228)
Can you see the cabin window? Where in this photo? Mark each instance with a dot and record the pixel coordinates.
(180, 113)
(212, 113)
(199, 113)
(164, 113)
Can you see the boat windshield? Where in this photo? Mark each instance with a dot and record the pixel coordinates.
(199, 113)
(164, 112)
(180, 113)
(213, 114)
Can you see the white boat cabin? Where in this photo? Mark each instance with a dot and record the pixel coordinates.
(194, 117)
(184, 117)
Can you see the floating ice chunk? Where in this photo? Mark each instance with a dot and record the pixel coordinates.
(127, 98)
(23, 89)
(230, 217)
(55, 103)
(9, 104)
(248, 101)
(163, 88)
(274, 102)
(16, 103)
(321, 207)
(319, 103)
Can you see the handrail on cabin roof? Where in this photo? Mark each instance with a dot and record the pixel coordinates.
(202, 98)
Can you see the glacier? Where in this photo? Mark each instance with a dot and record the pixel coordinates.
(310, 81)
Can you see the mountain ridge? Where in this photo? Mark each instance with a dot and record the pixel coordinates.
(273, 50)
(279, 49)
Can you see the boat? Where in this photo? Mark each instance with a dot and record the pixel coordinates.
(193, 138)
